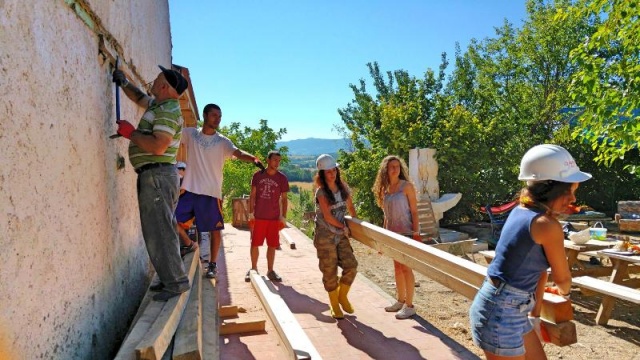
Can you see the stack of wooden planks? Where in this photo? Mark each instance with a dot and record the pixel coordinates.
(175, 329)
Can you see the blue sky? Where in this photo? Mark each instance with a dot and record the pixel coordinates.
(291, 62)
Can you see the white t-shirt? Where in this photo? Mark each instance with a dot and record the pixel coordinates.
(205, 155)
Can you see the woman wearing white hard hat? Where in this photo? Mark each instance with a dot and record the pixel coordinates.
(505, 314)
(331, 239)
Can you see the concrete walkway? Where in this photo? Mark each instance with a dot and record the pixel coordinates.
(370, 333)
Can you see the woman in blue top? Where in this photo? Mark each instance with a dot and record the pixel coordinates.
(505, 311)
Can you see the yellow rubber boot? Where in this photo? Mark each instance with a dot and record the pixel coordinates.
(342, 298)
(334, 305)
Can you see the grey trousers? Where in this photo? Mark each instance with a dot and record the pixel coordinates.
(158, 192)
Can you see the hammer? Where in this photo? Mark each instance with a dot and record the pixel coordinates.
(117, 101)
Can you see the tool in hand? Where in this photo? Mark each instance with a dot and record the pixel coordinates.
(117, 101)
(259, 165)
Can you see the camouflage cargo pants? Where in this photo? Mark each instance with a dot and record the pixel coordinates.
(333, 251)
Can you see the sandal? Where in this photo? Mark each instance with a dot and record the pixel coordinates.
(184, 249)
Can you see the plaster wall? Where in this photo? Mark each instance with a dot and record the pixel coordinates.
(73, 265)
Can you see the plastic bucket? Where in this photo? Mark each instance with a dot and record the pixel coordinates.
(598, 233)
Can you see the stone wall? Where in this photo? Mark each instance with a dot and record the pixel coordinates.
(73, 266)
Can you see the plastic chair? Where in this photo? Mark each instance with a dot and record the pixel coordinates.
(498, 216)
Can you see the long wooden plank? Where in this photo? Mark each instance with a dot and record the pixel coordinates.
(455, 284)
(462, 269)
(298, 344)
(210, 320)
(456, 273)
(188, 339)
(561, 334)
(296, 234)
(608, 288)
(242, 326)
(556, 309)
(157, 339)
(227, 311)
(288, 237)
(148, 311)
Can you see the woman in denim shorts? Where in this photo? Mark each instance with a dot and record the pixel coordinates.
(505, 309)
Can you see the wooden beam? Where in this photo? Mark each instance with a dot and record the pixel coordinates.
(459, 268)
(451, 271)
(148, 312)
(453, 283)
(243, 326)
(110, 55)
(296, 341)
(210, 330)
(157, 339)
(561, 334)
(557, 309)
(227, 311)
(188, 338)
(288, 237)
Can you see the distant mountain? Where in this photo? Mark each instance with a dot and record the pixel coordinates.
(314, 146)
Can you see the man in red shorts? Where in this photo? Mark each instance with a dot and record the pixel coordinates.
(267, 212)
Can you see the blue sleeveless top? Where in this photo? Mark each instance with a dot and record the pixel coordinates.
(519, 260)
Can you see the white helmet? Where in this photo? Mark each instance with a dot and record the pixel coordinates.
(326, 162)
(181, 165)
(550, 162)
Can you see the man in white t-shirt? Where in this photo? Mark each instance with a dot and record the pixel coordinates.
(207, 151)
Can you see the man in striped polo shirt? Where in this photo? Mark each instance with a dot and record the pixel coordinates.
(152, 152)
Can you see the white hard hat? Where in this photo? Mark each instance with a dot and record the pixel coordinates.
(550, 162)
(181, 165)
(326, 162)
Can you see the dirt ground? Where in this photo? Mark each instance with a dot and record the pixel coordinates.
(448, 311)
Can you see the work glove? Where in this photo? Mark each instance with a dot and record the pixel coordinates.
(535, 322)
(120, 79)
(125, 128)
(555, 290)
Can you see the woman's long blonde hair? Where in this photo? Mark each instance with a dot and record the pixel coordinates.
(381, 185)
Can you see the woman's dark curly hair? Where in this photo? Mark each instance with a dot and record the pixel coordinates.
(322, 183)
(538, 194)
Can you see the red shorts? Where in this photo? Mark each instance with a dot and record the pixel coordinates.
(266, 229)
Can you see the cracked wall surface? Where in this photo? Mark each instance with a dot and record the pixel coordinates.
(73, 266)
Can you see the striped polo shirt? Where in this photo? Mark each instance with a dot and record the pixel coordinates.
(166, 117)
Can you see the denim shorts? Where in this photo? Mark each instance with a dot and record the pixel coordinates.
(498, 318)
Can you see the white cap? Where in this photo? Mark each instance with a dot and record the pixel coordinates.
(326, 162)
(550, 162)
(181, 165)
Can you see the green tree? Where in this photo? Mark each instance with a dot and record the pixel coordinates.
(506, 93)
(607, 85)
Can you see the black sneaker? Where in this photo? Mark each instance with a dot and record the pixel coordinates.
(164, 296)
(273, 276)
(184, 249)
(157, 287)
(212, 270)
